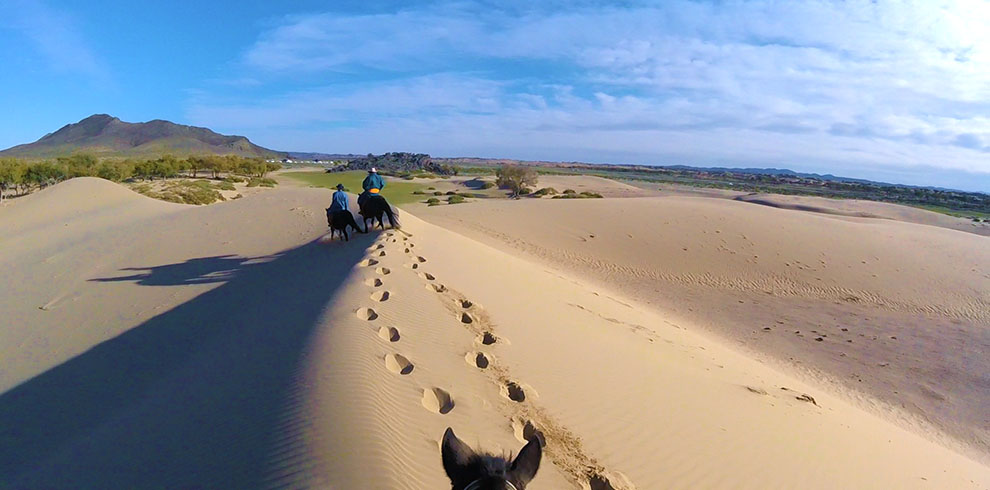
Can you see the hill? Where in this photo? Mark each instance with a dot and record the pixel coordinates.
(107, 136)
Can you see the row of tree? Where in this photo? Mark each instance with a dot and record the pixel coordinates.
(396, 162)
(21, 176)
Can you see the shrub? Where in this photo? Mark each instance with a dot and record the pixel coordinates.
(227, 186)
(79, 165)
(569, 191)
(418, 193)
(546, 191)
(11, 174)
(109, 171)
(524, 190)
(184, 192)
(257, 181)
(43, 174)
(515, 178)
(451, 193)
(574, 195)
(437, 193)
(487, 185)
(455, 199)
(431, 188)
(432, 201)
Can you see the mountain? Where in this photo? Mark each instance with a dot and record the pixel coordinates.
(104, 135)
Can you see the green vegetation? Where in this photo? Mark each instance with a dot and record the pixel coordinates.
(396, 191)
(415, 174)
(546, 191)
(11, 175)
(487, 185)
(575, 195)
(184, 192)
(516, 178)
(973, 215)
(258, 181)
(400, 164)
(22, 176)
(955, 203)
(455, 199)
(433, 201)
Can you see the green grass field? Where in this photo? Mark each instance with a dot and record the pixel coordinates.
(397, 191)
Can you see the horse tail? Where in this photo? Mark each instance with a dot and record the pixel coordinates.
(392, 220)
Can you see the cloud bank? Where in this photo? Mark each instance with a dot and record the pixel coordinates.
(885, 88)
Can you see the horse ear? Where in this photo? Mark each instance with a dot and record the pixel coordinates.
(526, 464)
(455, 454)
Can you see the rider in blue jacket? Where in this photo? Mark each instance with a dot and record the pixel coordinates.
(339, 212)
(339, 202)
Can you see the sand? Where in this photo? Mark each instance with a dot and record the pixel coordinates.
(895, 310)
(156, 345)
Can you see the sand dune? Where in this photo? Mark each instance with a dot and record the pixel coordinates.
(867, 209)
(895, 310)
(228, 346)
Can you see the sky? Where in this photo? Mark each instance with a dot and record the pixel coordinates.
(896, 91)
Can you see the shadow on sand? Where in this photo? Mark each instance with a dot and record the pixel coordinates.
(201, 396)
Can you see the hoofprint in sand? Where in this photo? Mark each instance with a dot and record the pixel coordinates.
(223, 346)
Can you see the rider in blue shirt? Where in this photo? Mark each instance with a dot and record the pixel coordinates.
(339, 202)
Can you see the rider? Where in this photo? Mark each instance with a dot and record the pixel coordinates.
(373, 184)
(339, 201)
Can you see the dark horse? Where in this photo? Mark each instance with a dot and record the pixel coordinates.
(468, 470)
(339, 221)
(373, 207)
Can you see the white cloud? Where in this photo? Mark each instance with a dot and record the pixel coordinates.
(886, 83)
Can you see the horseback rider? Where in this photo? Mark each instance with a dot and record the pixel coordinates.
(339, 213)
(373, 184)
(339, 201)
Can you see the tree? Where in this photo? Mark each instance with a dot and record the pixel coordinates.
(115, 171)
(195, 164)
(515, 178)
(11, 174)
(79, 165)
(44, 174)
(144, 170)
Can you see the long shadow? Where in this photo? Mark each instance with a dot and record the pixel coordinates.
(193, 398)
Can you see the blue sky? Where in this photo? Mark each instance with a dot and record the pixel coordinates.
(889, 90)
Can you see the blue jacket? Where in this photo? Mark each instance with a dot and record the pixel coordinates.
(339, 202)
(373, 181)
